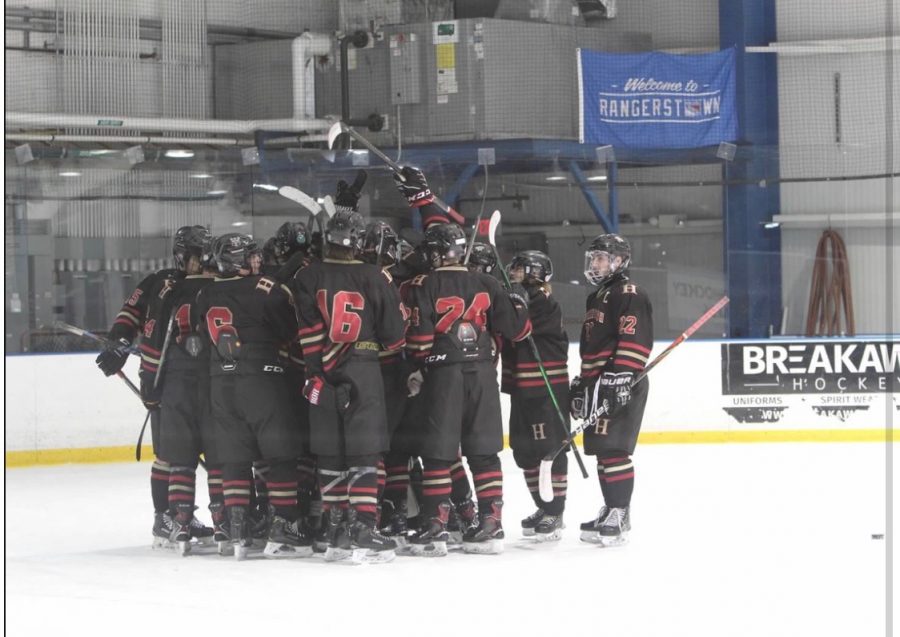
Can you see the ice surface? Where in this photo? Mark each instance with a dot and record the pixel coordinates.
(727, 540)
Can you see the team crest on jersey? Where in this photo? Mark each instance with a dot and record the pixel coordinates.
(629, 288)
(148, 328)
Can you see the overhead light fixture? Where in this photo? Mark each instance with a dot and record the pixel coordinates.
(557, 174)
(216, 193)
(238, 224)
(69, 173)
(201, 176)
(597, 178)
(266, 187)
(771, 225)
(179, 153)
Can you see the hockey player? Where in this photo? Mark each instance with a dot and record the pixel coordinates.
(482, 258)
(129, 323)
(247, 320)
(616, 339)
(534, 426)
(452, 314)
(348, 312)
(182, 392)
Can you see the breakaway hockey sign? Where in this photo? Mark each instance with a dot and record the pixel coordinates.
(811, 367)
(657, 100)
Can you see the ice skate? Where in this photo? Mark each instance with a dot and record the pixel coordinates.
(338, 548)
(530, 522)
(369, 545)
(590, 531)
(201, 534)
(487, 538)
(549, 528)
(285, 540)
(240, 531)
(220, 529)
(430, 540)
(614, 529)
(394, 524)
(162, 531)
(462, 517)
(181, 528)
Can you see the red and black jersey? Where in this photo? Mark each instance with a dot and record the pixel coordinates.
(617, 334)
(520, 369)
(130, 320)
(259, 308)
(175, 299)
(442, 304)
(346, 308)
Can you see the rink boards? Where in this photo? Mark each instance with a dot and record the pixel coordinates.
(60, 408)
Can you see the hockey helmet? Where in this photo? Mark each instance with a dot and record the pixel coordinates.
(190, 241)
(444, 244)
(536, 266)
(232, 252)
(482, 258)
(380, 244)
(291, 237)
(607, 255)
(345, 229)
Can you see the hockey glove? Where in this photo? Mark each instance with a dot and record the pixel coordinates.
(577, 399)
(414, 187)
(150, 395)
(615, 391)
(414, 383)
(347, 195)
(312, 390)
(518, 296)
(112, 360)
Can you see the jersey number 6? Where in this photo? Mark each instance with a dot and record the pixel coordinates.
(344, 324)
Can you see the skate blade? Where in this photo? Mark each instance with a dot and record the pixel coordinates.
(204, 541)
(162, 543)
(377, 557)
(613, 541)
(343, 556)
(491, 547)
(184, 548)
(456, 538)
(433, 549)
(225, 547)
(240, 552)
(591, 537)
(278, 551)
(528, 533)
(553, 536)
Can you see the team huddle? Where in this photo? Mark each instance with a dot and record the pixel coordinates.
(332, 383)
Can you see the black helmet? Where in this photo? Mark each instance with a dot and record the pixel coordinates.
(444, 244)
(536, 265)
(380, 244)
(482, 258)
(345, 229)
(190, 241)
(291, 237)
(612, 246)
(231, 253)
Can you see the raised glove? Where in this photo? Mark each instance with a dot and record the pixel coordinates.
(414, 383)
(577, 399)
(312, 389)
(413, 186)
(347, 195)
(615, 391)
(112, 359)
(518, 296)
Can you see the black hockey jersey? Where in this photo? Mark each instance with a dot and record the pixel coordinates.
(617, 333)
(261, 311)
(453, 312)
(520, 369)
(346, 308)
(129, 322)
(175, 299)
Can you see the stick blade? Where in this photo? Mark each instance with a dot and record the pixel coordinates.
(493, 224)
(328, 205)
(299, 197)
(334, 132)
(545, 480)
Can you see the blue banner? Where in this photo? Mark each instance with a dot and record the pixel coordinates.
(657, 100)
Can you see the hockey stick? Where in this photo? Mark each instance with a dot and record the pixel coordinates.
(162, 359)
(84, 333)
(340, 127)
(545, 479)
(492, 230)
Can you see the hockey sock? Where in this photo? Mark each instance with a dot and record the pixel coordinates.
(382, 479)
(307, 486)
(616, 480)
(363, 493)
(236, 481)
(488, 477)
(182, 482)
(281, 485)
(436, 487)
(531, 481)
(560, 476)
(214, 483)
(461, 490)
(159, 485)
(396, 468)
(333, 486)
